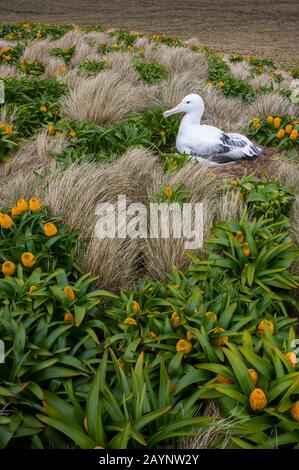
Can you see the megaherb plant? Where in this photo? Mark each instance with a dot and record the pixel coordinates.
(150, 72)
(264, 197)
(281, 131)
(30, 238)
(121, 410)
(256, 254)
(8, 140)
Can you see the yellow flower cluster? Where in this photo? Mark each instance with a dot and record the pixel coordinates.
(4, 52)
(60, 70)
(7, 128)
(288, 130)
(258, 399)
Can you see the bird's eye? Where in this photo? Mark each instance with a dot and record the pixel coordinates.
(188, 102)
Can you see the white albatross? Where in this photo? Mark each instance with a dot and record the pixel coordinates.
(208, 144)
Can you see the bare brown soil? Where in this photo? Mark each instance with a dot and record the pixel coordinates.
(266, 28)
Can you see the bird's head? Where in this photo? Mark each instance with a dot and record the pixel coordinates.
(191, 104)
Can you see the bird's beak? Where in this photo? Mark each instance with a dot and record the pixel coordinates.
(175, 110)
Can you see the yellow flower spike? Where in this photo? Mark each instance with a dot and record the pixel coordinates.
(241, 197)
(175, 319)
(211, 315)
(294, 134)
(45, 407)
(50, 129)
(22, 205)
(69, 293)
(280, 134)
(291, 358)
(34, 204)
(277, 122)
(168, 192)
(50, 229)
(221, 83)
(32, 289)
(234, 184)
(135, 306)
(72, 134)
(7, 58)
(258, 399)
(21, 282)
(295, 411)
(239, 237)
(270, 119)
(223, 380)
(130, 321)
(43, 108)
(261, 327)
(288, 128)
(28, 259)
(220, 341)
(8, 130)
(85, 424)
(6, 221)
(183, 346)
(8, 268)
(162, 133)
(246, 250)
(151, 335)
(15, 212)
(209, 83)
(254, 375)
(190, 336)
(68, 317)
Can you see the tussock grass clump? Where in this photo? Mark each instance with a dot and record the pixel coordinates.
(228, 114)
(239, 70)
(34, 155)
(179, 60)
(9, 71)
(104, 99)
(38, 50)
(201, 185)
(271, 104)
(170, 92)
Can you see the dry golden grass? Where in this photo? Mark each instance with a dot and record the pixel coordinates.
(9, 71)
(34, 155)
(84, 52)
(170, 92)
(38, 50)
(217, 436)
(179, 60)
(228, 114)
(240, 69)
(286, 171)
(202, 185)
(105, 99)
(272, 104)
(121, 63)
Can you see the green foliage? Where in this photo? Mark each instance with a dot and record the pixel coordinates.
(281, 131)
(27, 235)
(124, 36)
(91, 67)
(23, 90)
(29, 31)
(266, 198)
(173, 193)
(150, 72)
(11, 55)
(230, 86)
(66, 53)
(31, 67)
(8, 141)
(255, 254)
